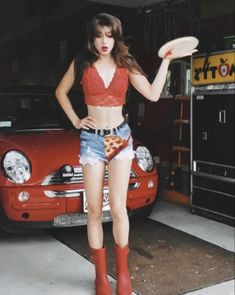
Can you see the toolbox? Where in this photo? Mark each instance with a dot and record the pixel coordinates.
(212, 137)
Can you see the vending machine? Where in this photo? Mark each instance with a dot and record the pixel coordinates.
(212, 136)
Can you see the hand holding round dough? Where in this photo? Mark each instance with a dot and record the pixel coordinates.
(179, 47)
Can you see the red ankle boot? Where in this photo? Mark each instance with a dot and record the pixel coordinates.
(123, 279)
(102, 285)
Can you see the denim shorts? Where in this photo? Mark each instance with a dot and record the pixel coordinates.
(92, 148)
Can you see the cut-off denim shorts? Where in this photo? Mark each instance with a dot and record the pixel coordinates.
(92, 148)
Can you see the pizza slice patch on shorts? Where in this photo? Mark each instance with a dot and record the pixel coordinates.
(113, 145)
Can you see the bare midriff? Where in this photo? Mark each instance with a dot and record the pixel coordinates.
(106, 117)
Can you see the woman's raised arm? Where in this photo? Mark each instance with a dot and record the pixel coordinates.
(148, 90)
(153, 91)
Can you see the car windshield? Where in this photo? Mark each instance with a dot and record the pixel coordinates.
(20, 111)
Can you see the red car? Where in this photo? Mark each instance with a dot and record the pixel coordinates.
(41, 182)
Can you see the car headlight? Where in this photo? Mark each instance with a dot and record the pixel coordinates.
(144, 158)
(16, 166)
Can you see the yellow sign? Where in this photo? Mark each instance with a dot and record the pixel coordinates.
(214, 69)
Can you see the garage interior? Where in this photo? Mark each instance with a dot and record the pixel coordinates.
(174, 251)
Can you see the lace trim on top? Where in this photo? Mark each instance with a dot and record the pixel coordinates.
(97, 94)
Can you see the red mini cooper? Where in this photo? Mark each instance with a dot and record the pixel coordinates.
(41, 182)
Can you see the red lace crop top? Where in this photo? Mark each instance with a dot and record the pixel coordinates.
(95, 92)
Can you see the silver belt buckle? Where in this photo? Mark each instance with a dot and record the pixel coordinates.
(101, 132)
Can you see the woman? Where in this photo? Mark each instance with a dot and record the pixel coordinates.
(104, 70)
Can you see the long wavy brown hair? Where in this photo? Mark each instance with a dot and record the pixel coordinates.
(120, 52)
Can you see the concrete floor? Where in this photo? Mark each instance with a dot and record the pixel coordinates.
(180, 217)
(222, 235)
(39, 264)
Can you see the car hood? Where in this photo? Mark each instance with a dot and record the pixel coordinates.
(47, 150)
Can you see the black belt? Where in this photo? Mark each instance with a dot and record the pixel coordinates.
(103, 132)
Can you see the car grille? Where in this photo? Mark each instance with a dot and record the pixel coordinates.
(55, 178)
(75, 219)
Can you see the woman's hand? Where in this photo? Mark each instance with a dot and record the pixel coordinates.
(169, 54)
(85, 123)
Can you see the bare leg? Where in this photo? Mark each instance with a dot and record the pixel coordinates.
(93, 181)
(119, 174)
